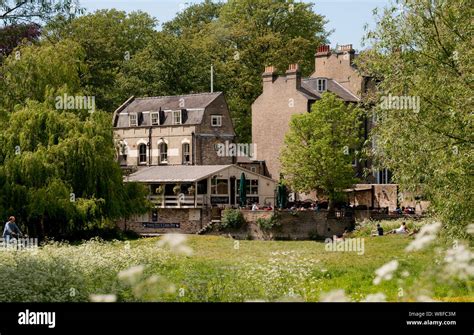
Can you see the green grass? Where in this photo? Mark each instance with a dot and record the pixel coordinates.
(221, 269)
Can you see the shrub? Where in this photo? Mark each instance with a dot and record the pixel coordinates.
(268, 223)
(232, 218)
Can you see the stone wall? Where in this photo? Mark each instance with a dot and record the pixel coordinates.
(184, 220)
(303, 225)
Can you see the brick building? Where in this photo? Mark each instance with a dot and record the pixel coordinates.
(180, 147)
(289, 94)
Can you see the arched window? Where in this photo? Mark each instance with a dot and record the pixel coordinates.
(142, 154)
(163, 147)
(186, 153)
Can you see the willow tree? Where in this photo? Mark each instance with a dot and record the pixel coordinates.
(58, 173)
(423, 50)
(320, 147)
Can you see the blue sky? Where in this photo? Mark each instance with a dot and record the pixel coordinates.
(346, 17)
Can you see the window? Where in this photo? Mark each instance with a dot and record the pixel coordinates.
(176, 117)
(216, 120)
(186, 154)
(251, 186)
(219, 186)
(253, 169)
(321, 85)
(155, 119)
(142, 154)
(133, 120)
(163, 148)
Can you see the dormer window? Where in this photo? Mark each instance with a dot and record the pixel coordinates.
(155, 119)
(216, 120)
(133, 119)
(322, 85)
(177, 117)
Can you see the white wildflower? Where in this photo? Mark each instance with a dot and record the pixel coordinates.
(459, 262)
(176, 243)
(470, 229)
(385, 272)
(377, 297)
(131, 275)
(424, 237)
(334, 296)
(103, 298)
(424, 298)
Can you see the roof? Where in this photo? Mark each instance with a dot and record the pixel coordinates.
(175, 173)
(192, 104)
(311, 85)
(182, 173)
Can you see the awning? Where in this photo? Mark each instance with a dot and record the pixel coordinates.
(175, 173)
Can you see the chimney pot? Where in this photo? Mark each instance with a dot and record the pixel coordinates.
(323, 49)
(293, 68)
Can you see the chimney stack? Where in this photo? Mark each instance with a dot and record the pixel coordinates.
(270, 74)
(323, 50)
(294, 73)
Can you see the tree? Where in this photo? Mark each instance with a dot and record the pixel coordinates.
(109, 39)
(12, 36)
(320, 147)
(422, 51)
(58, 173)
(241, 37)
(166, 66)
(29, 11)
(40, 72)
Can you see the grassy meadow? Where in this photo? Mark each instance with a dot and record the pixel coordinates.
(213, 268)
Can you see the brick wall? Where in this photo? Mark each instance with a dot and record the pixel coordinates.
(190, 221)
(299, 226)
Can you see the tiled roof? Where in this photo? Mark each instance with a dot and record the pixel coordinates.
(193, 104)
(310, 85)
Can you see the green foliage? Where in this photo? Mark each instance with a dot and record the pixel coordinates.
(426, 52)
(58, 174)
(232, 218)
(259, 270)
(268, 223)
(320, 147)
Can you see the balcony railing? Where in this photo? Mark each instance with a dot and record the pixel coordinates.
(178, 201)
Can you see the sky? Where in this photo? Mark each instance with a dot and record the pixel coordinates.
(346, 17)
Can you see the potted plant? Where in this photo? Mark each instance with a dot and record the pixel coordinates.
(191, 190)
(177, 189)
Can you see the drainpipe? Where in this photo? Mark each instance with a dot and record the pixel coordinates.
(150, 161)
(193, 150)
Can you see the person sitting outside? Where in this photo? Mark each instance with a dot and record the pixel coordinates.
(401, 230)
(378, 231)
(11, 230)
(255, 207)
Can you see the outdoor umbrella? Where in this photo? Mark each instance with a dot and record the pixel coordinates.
(243, 191)
(282, 196)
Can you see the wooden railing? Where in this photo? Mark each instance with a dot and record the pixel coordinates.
(178, 201)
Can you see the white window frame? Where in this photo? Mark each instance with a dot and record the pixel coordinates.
(163, 153)
(217, 118)
(157, 123)
(140, 162)
(184, 153)
(177, 113)
(135, 115)
(322, 85)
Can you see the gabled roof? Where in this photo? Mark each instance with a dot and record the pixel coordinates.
(193, 104)
(182, 173)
